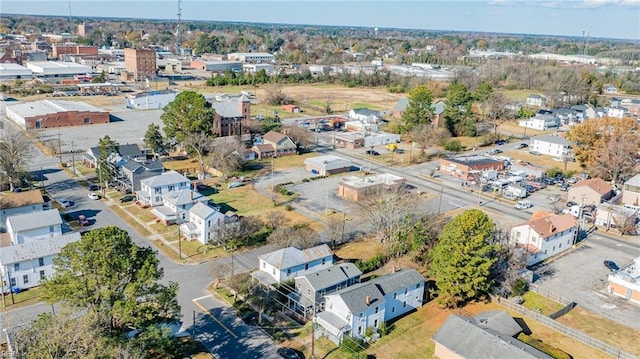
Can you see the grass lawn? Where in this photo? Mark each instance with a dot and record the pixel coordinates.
(362, 249)
(127, 218)
(535, 301)
(195, 251)
(169, 232)
(144, 214)
(22, 299)
(190, 165)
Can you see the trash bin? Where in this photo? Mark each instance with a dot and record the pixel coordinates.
(15, 290)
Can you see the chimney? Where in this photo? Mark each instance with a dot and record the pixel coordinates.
(367, 300)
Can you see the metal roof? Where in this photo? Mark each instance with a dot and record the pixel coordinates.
(36, 248)
(33, 220)
(47, 107)
(201, 210)
(165, 179)
(292, 256)
(328, 162)
(333, 275)
(553, 139)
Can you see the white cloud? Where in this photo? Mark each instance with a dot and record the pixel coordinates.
(600, 3)
(567, 3)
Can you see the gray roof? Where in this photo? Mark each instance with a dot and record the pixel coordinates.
(127, 151)
(292, 256)
(228, 106)
(553, 139)
(634, 181)
(46, 107)
(354, 296)
(499, 321)
(333, 275)
(463, 336)
(366, 112)
(35, 248)
(184, 196)
(33, 220)
(201, 210)
(474, 160)
(165, 179)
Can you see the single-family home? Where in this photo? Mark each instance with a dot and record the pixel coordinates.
(202, 221)
(464, 166)
(438, 110)
(536, 100)
(134, 171)
(542, 122)
(176, 205)
(490, 333)
(617, 112)
(357, 188)
(352, 310)
(126, 152)
(28, 248)
(568, 116)
(13, 203)
(544, 235)
(153, 189)
(552, 145)
(625, 282)
(365, 115)
(631, 191)
(327, 165)
(288, 263)
(275, 144)
(591, 191)
(311, 288)
(610, 89)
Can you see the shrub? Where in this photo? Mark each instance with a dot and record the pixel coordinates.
(383, 330)
(543, 347)
(553, 171)
(353, 345)
(453, 145)
(372, 263)
(519, 287)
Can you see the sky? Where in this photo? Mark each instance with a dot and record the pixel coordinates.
(599, 18)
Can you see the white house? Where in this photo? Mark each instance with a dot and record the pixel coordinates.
(617, 112)
(154, 188)
(311, 288)
(544, 235)
(12, 203)
(365, 115)
(552, 145)
(202, 222)
(352, 310)
(540, 122)
(28, 249)
(176, 205)
(536, 100)
(288, 263)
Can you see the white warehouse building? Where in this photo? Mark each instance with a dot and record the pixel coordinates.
(11, 71)
(253, 57)
(53, 69)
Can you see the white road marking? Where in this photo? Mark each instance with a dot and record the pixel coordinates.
(203, 297)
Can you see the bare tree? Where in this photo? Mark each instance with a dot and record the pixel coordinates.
(302, 137)
(276, 96)
(227, 156)
(495, 109)
(334, 228)
(625, 224)
(423, 135)
(301, 237)
(616, 154)
(274, 219)
(510, 261)
(15, 153)
(389, 211)
(199, 144)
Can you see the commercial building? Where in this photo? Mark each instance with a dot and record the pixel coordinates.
(84, 29)
(57, 69)
(140, 64)
(50, 113)
(150, 99)
(73, 49)
(631, 191)
(590, 192)
(215, 66)
(9, 71)
(252, 57)
(233, 115)
(464, 167)
(327, 165)
(359, 188)
(625, 282)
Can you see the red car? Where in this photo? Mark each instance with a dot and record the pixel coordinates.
(82, 220)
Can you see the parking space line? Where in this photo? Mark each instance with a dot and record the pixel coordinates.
(204, 310)
(203, 297)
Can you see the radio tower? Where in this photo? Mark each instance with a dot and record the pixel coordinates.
(70, 25)
(179, 30)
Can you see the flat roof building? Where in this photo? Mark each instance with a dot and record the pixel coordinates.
(57, 69)
(359, 188)
(141, 64)
(253, 57)
(10, 71)
(464, 167)
(50, 113)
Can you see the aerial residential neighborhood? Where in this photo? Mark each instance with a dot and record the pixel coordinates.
(205, 189)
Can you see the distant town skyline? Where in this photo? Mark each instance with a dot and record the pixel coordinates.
(599, 18)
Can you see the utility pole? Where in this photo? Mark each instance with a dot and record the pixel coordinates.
(59, 147)
(73, 159)
(440, 201)
(313, 331)
(4, 303)
(179, 235)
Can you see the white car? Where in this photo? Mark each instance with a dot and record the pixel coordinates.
(64, 203)
(94, 196)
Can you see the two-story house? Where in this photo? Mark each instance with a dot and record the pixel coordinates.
(275, 144)
(135, 171)
(126, 152)
(365, 305)
(542, 122)
(202, 222)
(288, 263)
(13, 203)
(311, 288)
(551, 145)
(154, 188)
(536, 100)
(591, 191)
(544, 235)
(365, 115)
(176, 205)
(28, 248)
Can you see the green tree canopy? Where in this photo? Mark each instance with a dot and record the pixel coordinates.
(462, 259)
(188, 114)
(107, 274)
(457, 113)
(153, 138)
(419, 110)
(483, 91)
(106, 171)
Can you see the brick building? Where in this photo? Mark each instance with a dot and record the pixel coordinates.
(357, 188)
(624, 283)
(465, 167)
(140, 64)
(73, 49)
(49, 113)
(232, 115)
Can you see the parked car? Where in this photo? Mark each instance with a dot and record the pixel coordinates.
(553, 199)
(372, 152)
(535, 153)
(520, 146)
(127, 198)
(611, 265)
(549, 181)
(497, 150)
(530, 188)
(64, 203)
(564, 187)
(500, 143)
(571, 204)
(572, 180)
(93, 196)
(82, 220)
(94, 187)
(288, 353)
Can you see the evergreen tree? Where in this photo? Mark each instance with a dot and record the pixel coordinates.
(419, 110)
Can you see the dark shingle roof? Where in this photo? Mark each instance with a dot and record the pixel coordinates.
(333, 275)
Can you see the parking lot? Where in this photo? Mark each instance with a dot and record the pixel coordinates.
(580, 275)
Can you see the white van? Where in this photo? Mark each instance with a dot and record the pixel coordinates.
(523, 205)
